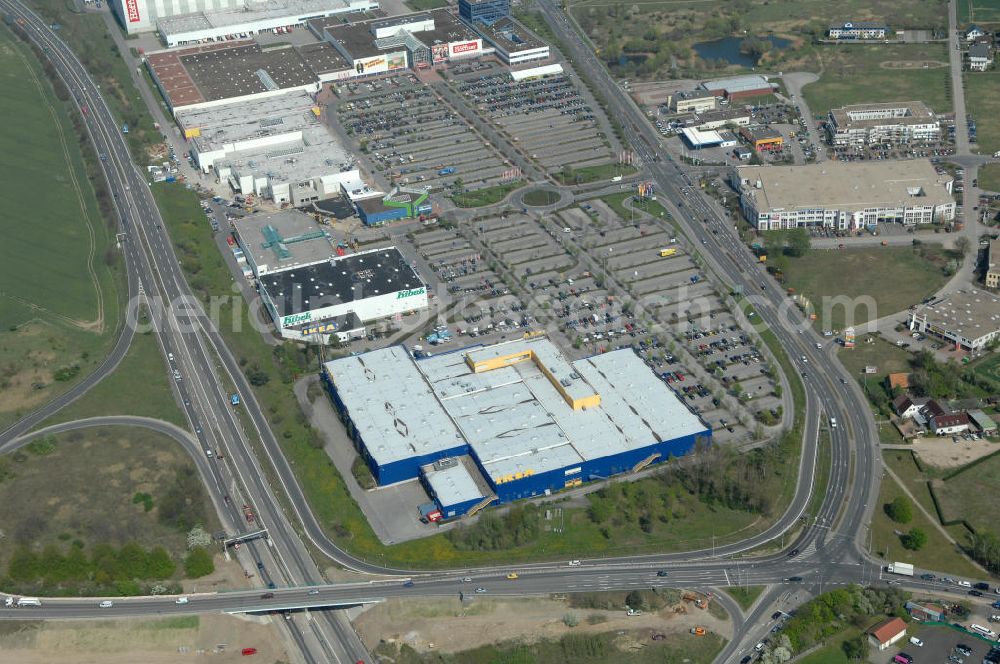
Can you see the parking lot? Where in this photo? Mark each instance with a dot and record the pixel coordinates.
(548, 119)
(412, 137)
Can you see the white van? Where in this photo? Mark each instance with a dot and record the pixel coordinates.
(29, 601)
(833, 422)
(9, 602)
(917, 642)
(985, 631)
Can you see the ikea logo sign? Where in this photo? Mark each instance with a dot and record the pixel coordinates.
(410, 293)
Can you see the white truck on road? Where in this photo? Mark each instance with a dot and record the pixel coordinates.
(906, 569)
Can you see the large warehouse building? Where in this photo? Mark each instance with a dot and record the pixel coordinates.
(843, 195)
(967, 319)
(366, 286)
(271, 147)
(508, 421)
(409, 41)
(892, 123)
(182, 21)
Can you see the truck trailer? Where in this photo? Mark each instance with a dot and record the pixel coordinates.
(905, 569)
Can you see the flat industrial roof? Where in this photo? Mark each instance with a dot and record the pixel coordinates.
(284, 238)
(513, 417)
(738, 83)
(847, 185)
(967, 313)
(358, 38)
(341, 279)
(697, 137)
(230, 69)
(510, 35)
(245, 15)
(900, 112)
(391, 405)
(453, 485)
(323, 58)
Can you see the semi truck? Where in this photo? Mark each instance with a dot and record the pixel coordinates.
(905, 569)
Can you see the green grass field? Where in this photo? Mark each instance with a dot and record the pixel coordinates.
(982, 98)
(594, 173)
(937, 554)
(88, 482)
(61, 279)
(139, 386)
(961, 496)
(989, 177)
(745, 596)
(894, 277)
(485, 196)
(889, 358)
(861, 74)
(541, 197)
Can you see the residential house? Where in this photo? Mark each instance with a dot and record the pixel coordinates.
(907, 407)
(926, 611)
(979, 57)
(974, 32)
(943, 421)
(887, 632)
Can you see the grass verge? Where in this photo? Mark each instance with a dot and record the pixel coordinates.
(745, 596)
(485, 196)
(984, 105)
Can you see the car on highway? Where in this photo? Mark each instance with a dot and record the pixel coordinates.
(976, 593)
(267, 596)
(965, 584)
(106, 604)
(512, 576)
(181, 600)
(574, 563)
(928, 577)
(408, 583)
(793, 553)
(746, 659)
(480, 590)
(662, 573)
(313, 591)
(794, 579)
(467, 579)
(981, 586)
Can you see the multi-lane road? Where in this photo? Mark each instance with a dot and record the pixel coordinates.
(830, 546)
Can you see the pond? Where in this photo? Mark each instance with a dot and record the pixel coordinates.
(728, 50)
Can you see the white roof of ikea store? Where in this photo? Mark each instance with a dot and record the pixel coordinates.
(391, 405)
(513, 417)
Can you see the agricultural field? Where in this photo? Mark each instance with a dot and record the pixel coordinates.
(893, 277)
(983, 100)
(861, 74)
(61, 276)
(647, 40)
(981, 12)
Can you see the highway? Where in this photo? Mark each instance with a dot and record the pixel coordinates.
(830, 547)
(193, 349)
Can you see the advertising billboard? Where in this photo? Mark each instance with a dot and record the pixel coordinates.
(132, 11)
(439, 53)
(396, 61)
(373, 65)
(465, 48)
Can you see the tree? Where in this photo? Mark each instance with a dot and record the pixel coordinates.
(198, 563)
(798, 242)
(856, 648)
(159, 564)
(914, 540)
(900, 510)
(962, 245)
(635, 600)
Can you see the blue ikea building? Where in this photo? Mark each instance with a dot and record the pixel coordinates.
(509, 421)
